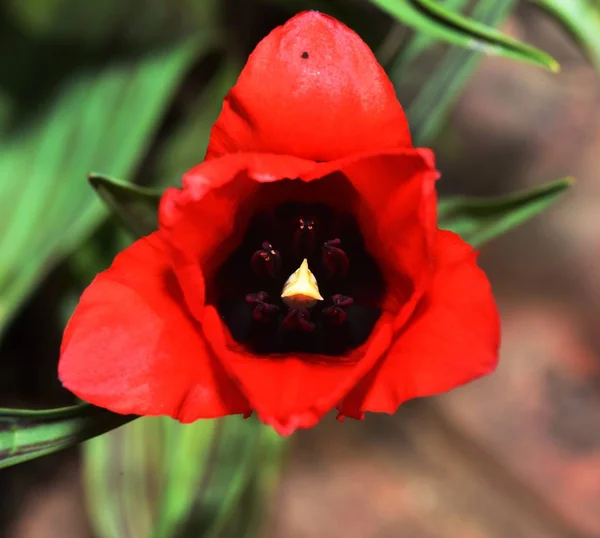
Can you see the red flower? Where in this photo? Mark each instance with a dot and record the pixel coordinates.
(310, 159)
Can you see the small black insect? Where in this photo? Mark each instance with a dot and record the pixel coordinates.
(304, 55)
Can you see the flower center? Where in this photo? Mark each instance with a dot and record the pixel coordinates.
(301, 281)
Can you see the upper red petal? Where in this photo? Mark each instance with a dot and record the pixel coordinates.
(452, 338)
(313, 89)
(130, 346)
(205, 220)
(387, 190)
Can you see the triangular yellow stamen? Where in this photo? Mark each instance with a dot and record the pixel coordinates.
(301, 289)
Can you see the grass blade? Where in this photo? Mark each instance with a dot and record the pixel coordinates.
(479, 220)
(438, 21)
(430, 109)
(581, 18)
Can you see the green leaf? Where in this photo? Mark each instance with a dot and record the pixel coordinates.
(159, 478)
(100, 119)
(238, 460)
(434, 19)
(581, 18)
(187, 145)
(406, 51)
(430, 109)
(136, 207)
(479, 220)
(25, 435)
(141, 480)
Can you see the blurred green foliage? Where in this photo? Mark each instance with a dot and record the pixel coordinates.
(128, 89)
(581, 18)
(428, 112)
(85, 106)
(196, 480)
(479, 220)
(441, 22)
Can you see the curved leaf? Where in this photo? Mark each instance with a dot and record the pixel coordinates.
(479, 220)
(26, 435)
(434, 19)
(581, 18)
(103, 117)
(418, 43)
(136, 207)
(431, 107)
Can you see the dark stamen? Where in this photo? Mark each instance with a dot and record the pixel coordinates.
(263, 312)
(266, 261)
(298, 319)
(305, 237)
(248, 288)
(336, 313)
(335, 259)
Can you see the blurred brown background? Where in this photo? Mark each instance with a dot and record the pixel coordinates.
(513, 455)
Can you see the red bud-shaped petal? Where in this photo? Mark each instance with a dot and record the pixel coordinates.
(313, 89)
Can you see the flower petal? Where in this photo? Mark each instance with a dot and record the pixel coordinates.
(290, 392)
(387, 190)
(313, 89)
(130, 346)
(397, 190)
(452, 338)
(204, 221)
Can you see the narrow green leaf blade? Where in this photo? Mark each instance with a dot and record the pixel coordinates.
(136, 207)
(430, 109)
(26, 435)
(235, 472)
(479, 220)
(420, 42)
(442, 23)
(102, 118)
(187, 145)
(581, 18)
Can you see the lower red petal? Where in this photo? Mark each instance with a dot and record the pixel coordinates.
(290, 392)
(130, 346)
(452, 338)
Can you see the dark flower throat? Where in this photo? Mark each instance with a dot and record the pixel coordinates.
(250, 283)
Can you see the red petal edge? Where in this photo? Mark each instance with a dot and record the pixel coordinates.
(204, 221)
(130, 347)
(452, 338)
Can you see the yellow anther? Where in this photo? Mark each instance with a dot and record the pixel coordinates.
(301, 289)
